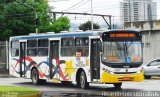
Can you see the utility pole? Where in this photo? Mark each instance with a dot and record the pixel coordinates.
(36, 15)
(113, 23)
(91, 15)
(144, 11)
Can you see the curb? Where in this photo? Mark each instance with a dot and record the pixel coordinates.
(34, 95)
(6, 76)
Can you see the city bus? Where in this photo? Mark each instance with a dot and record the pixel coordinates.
(102, 57)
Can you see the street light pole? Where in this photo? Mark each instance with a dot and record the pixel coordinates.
(91, 15)
(36, 15)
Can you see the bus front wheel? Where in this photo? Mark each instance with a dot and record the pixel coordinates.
(117, 85)
(83, 81)
(147, 77)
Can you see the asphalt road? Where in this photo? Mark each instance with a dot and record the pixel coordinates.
(95, 90)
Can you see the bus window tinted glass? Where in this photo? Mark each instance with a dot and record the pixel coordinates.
(67, 47)
(32, 43)
(43, 47)
(14, 48)
(32, 47)
(82, 46)
(43, 43)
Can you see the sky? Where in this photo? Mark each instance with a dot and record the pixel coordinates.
(107, 7)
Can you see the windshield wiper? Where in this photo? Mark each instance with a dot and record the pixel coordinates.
(125, 50)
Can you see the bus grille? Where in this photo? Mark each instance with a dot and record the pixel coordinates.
(124, 72)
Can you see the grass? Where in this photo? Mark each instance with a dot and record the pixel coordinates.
(12, 91)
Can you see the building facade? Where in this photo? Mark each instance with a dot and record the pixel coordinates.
(138, 10)
(143, 25)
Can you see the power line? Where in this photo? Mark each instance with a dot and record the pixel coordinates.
(80, 5)
(74, 5)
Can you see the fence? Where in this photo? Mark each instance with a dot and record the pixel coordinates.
(4, 49)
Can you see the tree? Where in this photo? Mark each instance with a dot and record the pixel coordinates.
(87, 26)
(61, 24)
(18, 19)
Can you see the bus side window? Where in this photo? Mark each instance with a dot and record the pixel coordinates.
(67, 46)
(43, 47)
(32, 47)
(82, 46)
(14, 48)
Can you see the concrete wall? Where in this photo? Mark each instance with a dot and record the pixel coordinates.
(143, 25)
(151, 47)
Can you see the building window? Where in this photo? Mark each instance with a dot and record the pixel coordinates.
(67, 47)
(148, 45)
(14, 48)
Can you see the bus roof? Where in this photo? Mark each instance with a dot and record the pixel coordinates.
(58, 35)
(63, 35)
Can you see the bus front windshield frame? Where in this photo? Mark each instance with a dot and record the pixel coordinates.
(122, 52)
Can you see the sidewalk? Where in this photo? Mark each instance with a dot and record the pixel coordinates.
(5, 76)
(4, 73)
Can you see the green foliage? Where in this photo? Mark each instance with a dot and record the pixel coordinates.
(87, 26)
(12, 91)
(18, 19)
(61, 24)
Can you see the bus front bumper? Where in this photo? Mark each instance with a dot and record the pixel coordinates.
(114, 78)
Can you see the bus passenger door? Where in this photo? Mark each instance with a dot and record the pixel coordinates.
(54, 59)
(95, 59)
(22, 59)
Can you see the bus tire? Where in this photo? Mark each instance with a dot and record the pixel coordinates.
(147, 77)
(83, 81)
(117, 85)
(66, 83)
(35, 78)
(42, 82)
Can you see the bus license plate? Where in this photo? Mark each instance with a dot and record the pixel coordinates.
(126, 78)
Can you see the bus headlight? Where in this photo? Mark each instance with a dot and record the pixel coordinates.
(141, 70)
(108, 71)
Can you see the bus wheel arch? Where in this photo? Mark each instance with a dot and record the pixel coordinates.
(81, 78)
(117, 85)
(35, 77)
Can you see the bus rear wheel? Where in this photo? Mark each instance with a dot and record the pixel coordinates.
(117, 85)
(83, 81)
(35, 78)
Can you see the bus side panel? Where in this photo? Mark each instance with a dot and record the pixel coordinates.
(83, 62)
(68, 70)
(42, 65)
(14, 66)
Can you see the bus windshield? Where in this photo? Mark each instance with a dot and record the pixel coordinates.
(122, 52)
